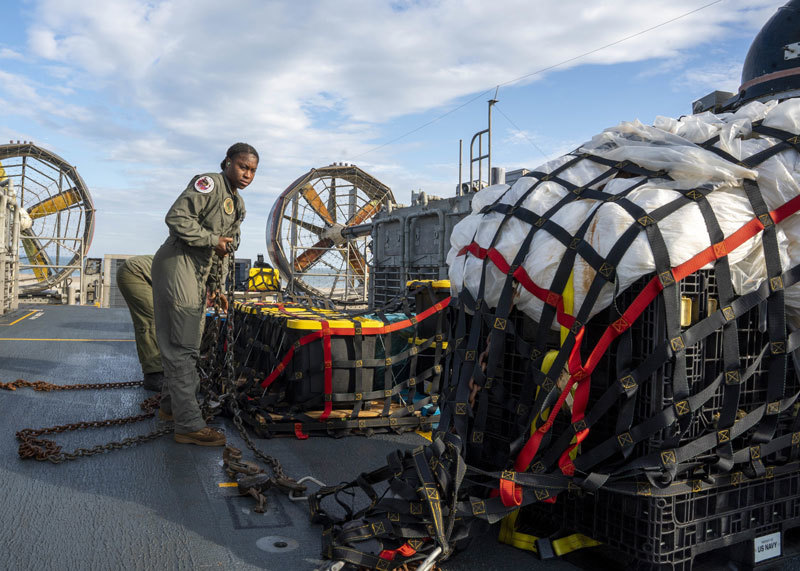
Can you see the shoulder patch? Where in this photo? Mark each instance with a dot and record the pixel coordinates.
(204, 184)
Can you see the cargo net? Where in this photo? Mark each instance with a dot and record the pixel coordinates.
(303, 368)
(625, 319)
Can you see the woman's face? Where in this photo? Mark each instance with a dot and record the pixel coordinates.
(241, 169)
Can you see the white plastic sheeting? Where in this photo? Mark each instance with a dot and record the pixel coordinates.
(671, 145)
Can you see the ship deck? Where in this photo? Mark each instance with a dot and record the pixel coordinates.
(162, 505)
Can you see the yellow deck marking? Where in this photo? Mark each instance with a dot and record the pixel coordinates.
(20, 319)
(228, 484)
(32, 339)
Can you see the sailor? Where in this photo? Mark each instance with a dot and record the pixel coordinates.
(202, 222)
(136, 285)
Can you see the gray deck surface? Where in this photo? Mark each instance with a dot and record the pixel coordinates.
(160, 505)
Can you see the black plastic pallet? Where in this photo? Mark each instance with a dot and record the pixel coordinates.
(670, 532)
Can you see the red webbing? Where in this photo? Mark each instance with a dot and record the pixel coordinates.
(635, 309)
(298, 431)
(547, 296)
(498, 260)
(328, 370)
(388, 554)
(578, 409)
(276, 372)
(645, 297)
(785, 210)
(405, 550)
(576, 373)
(510, 493)
(349, 331)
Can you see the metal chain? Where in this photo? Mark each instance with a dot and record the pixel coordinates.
(228, 377)
(274, 464)
(206, 365)
(48, 387)
(31, 446)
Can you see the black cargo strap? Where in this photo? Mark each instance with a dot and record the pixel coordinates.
(262, 342)
(497, 397)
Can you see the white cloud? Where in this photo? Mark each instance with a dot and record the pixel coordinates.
(27, 97)
(169, 84)
(201, 68)
(722, 76)
(7, 53)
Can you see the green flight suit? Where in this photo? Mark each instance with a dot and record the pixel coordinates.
(134, 279)
(182, 268)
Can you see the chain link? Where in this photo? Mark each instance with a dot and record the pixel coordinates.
(274, 464)
(48, 387)
(31, 446)
(227, 376)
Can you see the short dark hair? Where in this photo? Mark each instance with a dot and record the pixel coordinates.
(238, 149)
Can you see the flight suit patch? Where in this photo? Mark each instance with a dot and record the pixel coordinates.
(228, 205)
(204, 184)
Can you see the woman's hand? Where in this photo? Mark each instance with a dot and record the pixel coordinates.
(211, 297)
(222, 246)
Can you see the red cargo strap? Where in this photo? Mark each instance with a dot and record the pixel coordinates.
(405, 550)
(328, 370)
(345, 331)
(276, 372)
(645, 297)
(510, 493)
(576, 372)
(298, 431)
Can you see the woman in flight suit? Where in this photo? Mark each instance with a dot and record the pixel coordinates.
(202, 222)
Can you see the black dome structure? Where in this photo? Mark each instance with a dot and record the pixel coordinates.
(772, 67)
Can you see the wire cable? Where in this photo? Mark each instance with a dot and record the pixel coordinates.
(520, 131)
(537, 72)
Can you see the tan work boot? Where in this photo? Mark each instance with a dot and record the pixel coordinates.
(203, 437)
(165, 415)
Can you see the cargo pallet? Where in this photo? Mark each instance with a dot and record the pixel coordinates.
(669, 530)
(305, 370)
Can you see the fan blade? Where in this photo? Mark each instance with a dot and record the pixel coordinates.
(36, 255)
(316, 204)
(357, 263)
(303, 224)
(367, 211)
(60, 201)
(314, 253)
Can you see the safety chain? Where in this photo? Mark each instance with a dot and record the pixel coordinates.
(209, 408)
(48, 387)
(227, 380)
(31, 446)
(274, 464)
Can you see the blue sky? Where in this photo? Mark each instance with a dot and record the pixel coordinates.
(142, 95)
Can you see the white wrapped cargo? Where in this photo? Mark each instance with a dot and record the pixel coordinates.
(672, 146)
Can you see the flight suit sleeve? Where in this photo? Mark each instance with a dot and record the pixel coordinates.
(183, 218)
(212, 282)
(237, 235)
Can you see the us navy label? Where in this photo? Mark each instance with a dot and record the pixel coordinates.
(767, 547)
